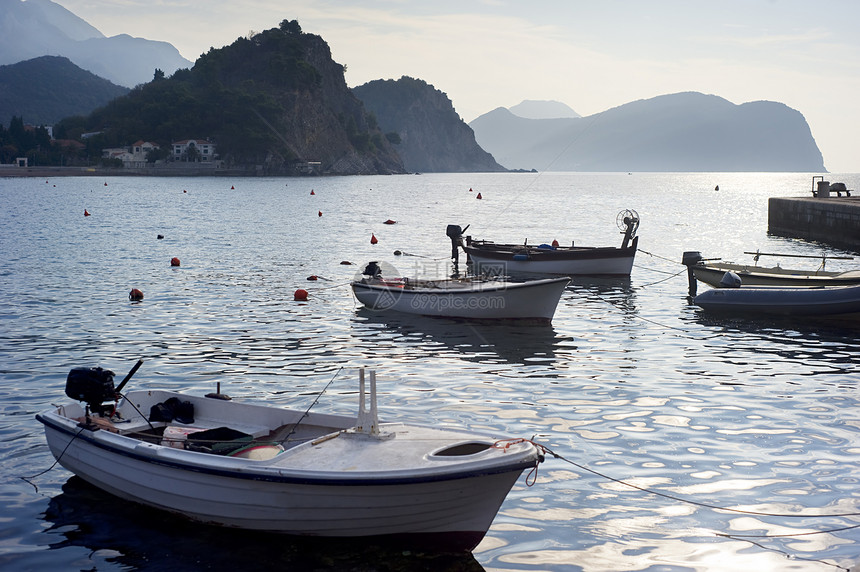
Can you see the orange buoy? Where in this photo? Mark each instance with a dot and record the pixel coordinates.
(479, 196)
(313, 277)
(301, 295)
(135, 294)
(389, 221)
(174, 261)
(319, 213)
(554, 243)
(86, 212)
(373, 239)
(312, 192)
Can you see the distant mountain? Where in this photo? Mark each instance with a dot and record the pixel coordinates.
(539, 109)
(40, 27)
(432, 137)
(679, 132)
(44, 90)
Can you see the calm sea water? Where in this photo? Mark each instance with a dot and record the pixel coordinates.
(630, 381)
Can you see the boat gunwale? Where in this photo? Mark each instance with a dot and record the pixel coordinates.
(527, 458)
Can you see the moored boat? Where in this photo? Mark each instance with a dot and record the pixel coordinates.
(807, 301)
(476, 299)
(501, 259)
(712, 271)
(298, 472)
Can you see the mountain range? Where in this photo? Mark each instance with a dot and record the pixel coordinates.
(43, 28)
(682, 132)
(675, 132)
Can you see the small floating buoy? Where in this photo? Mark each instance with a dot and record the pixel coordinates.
(319, 213)
(479, 196)
(301, 295)
(397, 253)
(135, 294)
(160, 236)
(717, 188)
(554, 243)
(373, 239)
(389, 221)
(346, 263)
(174, 261)
(105, 183)
(86, 212)
(313, 277)
(312, 192)
(470, 189)
(232, 188)
(184, 191)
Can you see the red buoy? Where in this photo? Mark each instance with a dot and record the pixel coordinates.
(313, 277)
(389, 221)
(312, 192)
(301, 295)
(232, 188)
(479, 196)
(86, 212)
(135, 294)
(555, 243)
(105, 183)
(319, 213)
(470, 189)
(174, 261)
(373, 239)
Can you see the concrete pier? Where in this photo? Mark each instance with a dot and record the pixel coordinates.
(832, 220)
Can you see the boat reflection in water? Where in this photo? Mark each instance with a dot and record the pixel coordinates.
(469, 340)
(116, 532)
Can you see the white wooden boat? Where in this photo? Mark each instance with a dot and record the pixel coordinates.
(533, 300)
(503, 259)
(712, 273)
(287, 471)
(812, 301)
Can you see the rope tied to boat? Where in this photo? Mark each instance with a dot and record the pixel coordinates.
(505, 444)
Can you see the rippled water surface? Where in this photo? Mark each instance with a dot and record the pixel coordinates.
(630, 382)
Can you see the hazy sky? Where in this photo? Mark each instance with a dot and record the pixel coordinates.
(590, 54)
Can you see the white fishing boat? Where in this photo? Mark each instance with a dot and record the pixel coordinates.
(806, 301)
(712, 271)
(500, 259)
(298, 472)
(475, 299)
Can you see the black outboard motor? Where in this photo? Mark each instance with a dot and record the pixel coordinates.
(372, 270)
(689, 259)
(92, 385)
(455, 233)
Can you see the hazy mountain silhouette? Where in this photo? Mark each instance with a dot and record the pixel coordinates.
(542, 109)
(40, 27)
(679, 132)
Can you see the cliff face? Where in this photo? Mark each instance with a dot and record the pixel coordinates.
(329, 124)
(432, 136)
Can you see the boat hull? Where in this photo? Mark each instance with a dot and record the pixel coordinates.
(712, 274)
(534, 300)
(442, 502)
(836, 301)
(500, 260)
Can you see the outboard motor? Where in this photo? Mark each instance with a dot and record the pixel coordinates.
(372, 270)
(690, 259)
(92, 385)
(730, 280)
(455, 233)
